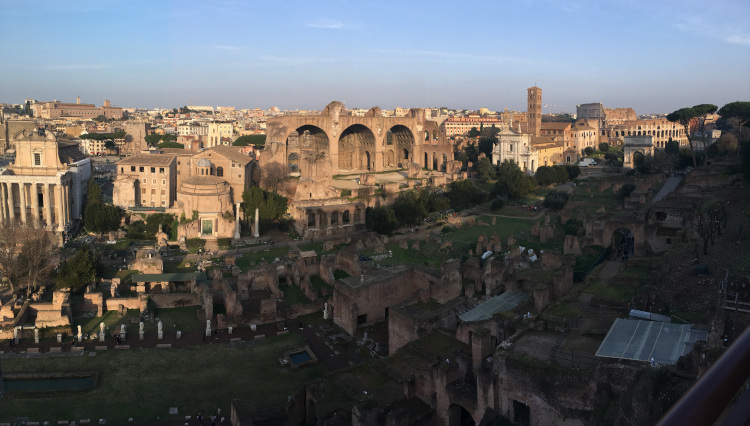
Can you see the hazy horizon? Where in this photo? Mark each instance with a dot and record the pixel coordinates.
(652, 56)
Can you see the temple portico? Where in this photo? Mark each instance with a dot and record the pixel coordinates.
(37, 201)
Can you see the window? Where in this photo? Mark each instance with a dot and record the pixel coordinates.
(140, 169)
(132, 168)
(143, 191)
(37, 159)
(153, 170)
(153, 181)
(161, 169)
(122, 169)
(153, 191)
(219, 171)
(163, 181)
(163, 192)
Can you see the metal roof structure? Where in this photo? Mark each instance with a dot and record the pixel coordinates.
(504, 302)
(640, 340)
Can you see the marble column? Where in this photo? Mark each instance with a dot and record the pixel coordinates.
(256, 230)
(66, 203)
(11, 203)
(48, 205)
(59, 205)
(2, 203)
(34, 194)
(237, 223)
(22, 198)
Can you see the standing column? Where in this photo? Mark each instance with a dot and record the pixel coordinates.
(48, 205)
(11, 203)
(2, 203)
(66, 203)
(256, 231)
(22, 201)
(237, 223)
(59, 205)
(35, 204)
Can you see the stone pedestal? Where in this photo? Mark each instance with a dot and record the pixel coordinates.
(101, 336)
(59, 338)
(230, 330)
(325, 311)
(160, 335)
(122, 332)
(253, 327)
(256, 228)
(15, 336)
(140, 335)
(36, 336)
(179, 334)
(208, 328)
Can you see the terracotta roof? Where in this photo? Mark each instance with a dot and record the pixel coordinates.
(148, 160)
(203, 180)
(231, 152)
(555, 125)
(544, 140)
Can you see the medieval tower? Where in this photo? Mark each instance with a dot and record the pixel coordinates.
(534, 110)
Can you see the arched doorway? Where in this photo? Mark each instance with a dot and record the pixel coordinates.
(459, 416)
(309, 143)
(404, 140)
(426, 161)
(355, 144)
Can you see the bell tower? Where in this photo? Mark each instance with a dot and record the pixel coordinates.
(534, 110)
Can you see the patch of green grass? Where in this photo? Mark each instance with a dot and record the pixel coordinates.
(543, 276)
(245, 261)
(318, 285)
(503, 227)
(293, 295)
(615, 292)
(340, 273)
(183, 319)
(177, 266)
(194, 379)
(439, 344)
(564, 310)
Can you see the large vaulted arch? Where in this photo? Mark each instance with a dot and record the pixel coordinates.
(403, 139)
(356, 148)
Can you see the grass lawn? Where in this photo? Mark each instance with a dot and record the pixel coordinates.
(615, 292)
(293, 294)
(144, 383)
(245, 261)
(503, 227)
(318, 285)
(171, 266)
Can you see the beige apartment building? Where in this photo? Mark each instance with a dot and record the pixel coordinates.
(220, 133)
(56, 109)
(146, 180)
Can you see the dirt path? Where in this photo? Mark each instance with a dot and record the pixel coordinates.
(609, 270)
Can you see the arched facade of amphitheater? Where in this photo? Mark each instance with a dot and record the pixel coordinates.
(321, 146)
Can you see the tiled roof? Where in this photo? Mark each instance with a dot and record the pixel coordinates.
(148, 160)
(231, 152)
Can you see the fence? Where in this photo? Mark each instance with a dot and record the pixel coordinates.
(578, 276)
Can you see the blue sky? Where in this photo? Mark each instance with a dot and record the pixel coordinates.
(654, 56)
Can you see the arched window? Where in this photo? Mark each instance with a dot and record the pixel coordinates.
(293, 162)
(219, 171)
(389, 138)
(345, 217)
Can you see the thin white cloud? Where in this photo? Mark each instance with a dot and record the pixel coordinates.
(328, 24)
(726, 33)
(225, 47)
(451, 56)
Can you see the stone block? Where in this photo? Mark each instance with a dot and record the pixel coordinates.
(55, 349)
(122, 346)
(100, 348)
(32, 350)
(164, 346)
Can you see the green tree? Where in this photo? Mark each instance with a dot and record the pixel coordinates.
(80, 270)
(155, 139)
(512, 183)
(625, 190)
(93, 192)
(573, 171)
(271, 206)
(588, 151)
(550, 175)
(485, 170)
(170, 144)
(683, 117)
(464, 193)
(98, 216)
(409, 209)
(738, 110)
(100, 118)
(486, 145)
(256, 140)
(672, 147)
(604, 147)
(726, 144)
(381, 219)
(473, 132)
(555, 200)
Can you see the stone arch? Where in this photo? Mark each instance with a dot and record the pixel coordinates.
(219, 171)
(310, 219)
(459, 416)
(354, 147)
(444, 165)
(346, 217)
(404, 140)
(390, 158)
(434, 161)
(426, 161)
(308, 137)
(623, 243)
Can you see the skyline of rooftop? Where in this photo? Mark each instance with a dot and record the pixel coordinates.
(653, 57)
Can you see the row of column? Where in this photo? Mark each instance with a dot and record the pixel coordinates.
(28, 197)
(326, 218)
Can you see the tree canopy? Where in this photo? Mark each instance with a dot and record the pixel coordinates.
(257, 140)
(485, 169)
(155, 139)
(738, 110)
(381, 219)
(80, 270)
(512, 183)
(171, 144)
(98, 216)
(271, 206)
(683, 116)
(103, 136)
